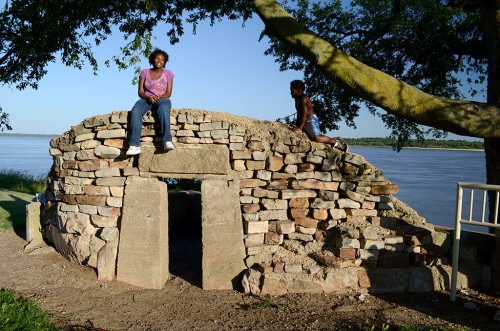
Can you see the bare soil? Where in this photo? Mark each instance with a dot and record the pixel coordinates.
(76, 300)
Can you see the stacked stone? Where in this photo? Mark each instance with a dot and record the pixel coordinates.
(313, 217)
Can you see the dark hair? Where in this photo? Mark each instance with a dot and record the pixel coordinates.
(156, 52)
(298, 84)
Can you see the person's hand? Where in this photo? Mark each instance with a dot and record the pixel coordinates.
(153, 99)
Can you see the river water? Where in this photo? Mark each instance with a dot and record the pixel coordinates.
(427, 178)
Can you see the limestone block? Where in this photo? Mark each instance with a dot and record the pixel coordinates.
(143, 246)
(347, 242)
(114, 202)
(261, 193)
(274, 285)
(323, 176)
(252, 182)
(203, 134)
(108, 172)
(254, 239)
(314, 158)
(300, 236)
(274, 204)
(84, 136)
(188, 140)
(354, 159)
(348, 203)
(298, 212)
(308, 184)
(420, 280)
(337, 213)
(222, 235)
(294, 158)
(86, 209)
(306, 222)
(256, 227)
(279, 184)
(251, 282)
(274, 163)
(235, 139)
(273, 214)
(299, 203)
(106, 262)
(321, 204)
(289, 194)
(104, 221)
(341, 280)
(106, 134)
(264, 175)
(186, 159)
(305, 175)
(86, 154)
(391, 280)
(33, 226)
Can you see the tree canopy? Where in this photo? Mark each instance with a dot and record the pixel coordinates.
(425, 45)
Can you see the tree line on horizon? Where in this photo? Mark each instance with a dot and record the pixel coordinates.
(415, 143)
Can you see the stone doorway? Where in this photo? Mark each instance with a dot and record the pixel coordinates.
(184, 235)
(144, 250)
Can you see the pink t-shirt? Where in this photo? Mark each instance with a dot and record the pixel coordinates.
(158, 86)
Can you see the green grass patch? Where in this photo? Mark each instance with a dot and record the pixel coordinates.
(22, 182)
(17, 313)
(13, 209)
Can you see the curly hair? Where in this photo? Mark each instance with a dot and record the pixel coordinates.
(298, 84)
(156, 52)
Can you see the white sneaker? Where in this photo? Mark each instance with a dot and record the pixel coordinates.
(133, 150)
(168, 146)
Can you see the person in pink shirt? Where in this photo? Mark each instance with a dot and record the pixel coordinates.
(155, 89)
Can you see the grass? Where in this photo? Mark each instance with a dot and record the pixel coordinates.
(21, 182)
(17, 314)
(17, 189)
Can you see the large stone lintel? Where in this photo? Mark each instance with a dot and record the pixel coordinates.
(185, 159)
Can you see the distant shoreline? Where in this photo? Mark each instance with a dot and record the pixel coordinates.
(353, 141)
(28, 135)
(430, 148)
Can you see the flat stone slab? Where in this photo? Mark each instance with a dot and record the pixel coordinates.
(185, 159)
(143, 245)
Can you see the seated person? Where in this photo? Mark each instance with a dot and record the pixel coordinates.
(155, 89)
(307, 119)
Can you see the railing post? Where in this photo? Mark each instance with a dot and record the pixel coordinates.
(456, 243)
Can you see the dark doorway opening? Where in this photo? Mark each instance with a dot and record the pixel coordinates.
(185, 248)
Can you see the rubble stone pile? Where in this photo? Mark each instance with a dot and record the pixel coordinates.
(313, 219)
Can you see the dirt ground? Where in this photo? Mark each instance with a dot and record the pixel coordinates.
(76, 300)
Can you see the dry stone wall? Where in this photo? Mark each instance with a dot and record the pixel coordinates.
(314, 219)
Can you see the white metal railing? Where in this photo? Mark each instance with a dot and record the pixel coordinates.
(485, 188)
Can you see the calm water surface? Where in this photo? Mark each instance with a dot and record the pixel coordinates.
(427, 178)
(28, 154)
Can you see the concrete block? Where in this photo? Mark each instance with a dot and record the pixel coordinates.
(143, 244)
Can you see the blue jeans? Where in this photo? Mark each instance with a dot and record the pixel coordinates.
(161, 107)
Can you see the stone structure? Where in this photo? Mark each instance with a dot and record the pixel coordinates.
(279, 213)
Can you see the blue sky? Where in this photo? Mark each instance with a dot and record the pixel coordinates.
(222, 68)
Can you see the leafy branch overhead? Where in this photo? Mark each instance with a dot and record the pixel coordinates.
(404, 57)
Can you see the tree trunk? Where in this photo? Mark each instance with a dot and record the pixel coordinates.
(490, 11)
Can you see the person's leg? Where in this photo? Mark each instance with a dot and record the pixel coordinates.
(162, 107)
(324, 139)
(140, 108)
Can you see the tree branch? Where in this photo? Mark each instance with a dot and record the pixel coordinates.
(394, 96)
